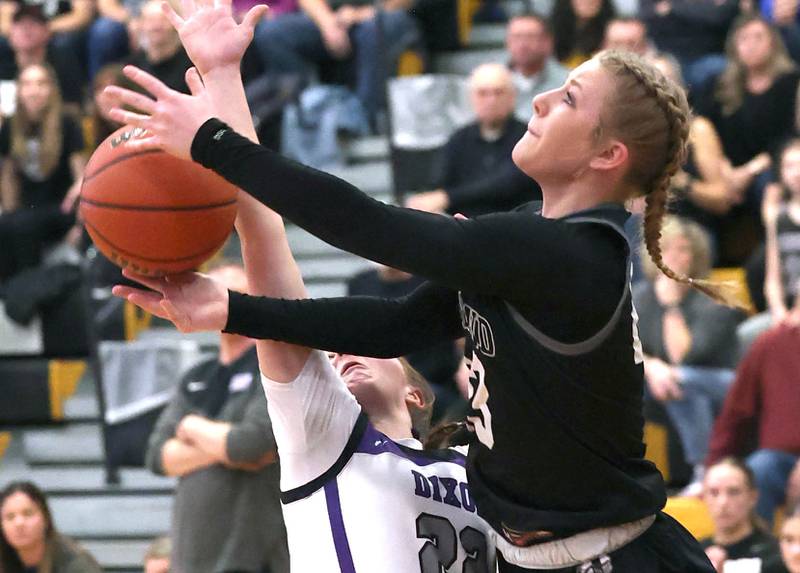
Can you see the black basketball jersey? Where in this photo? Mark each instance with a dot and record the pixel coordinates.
(558, 419)
(558, 426)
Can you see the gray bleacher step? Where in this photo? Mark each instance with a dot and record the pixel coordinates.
(372, 148)
(487, 36)
(92, 481)
(118, 555)
(464, 62)
(329, 289)
(304, 244)
(82, 406)
(373, 178)
(78, 443)
(112, 516)
(334, 267)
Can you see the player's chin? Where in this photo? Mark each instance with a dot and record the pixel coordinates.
(524, 153)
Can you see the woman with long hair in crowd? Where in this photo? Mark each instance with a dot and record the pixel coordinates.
(42, 165)
(29, 541)
(729, 491)
(578, 28)
(753, 106)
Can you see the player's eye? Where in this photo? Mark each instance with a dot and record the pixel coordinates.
(568, 99)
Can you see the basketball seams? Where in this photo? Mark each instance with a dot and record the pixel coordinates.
(117, 255)
(119, 159)
(104, 205)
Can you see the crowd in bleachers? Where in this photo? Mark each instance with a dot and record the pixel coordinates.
(728, 385)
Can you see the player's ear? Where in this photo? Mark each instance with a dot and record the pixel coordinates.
(611, 155)
(414, 397)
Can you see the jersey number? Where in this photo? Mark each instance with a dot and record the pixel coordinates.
(479, 394)
(440, 551)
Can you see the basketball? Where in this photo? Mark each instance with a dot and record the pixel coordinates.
(152, 212)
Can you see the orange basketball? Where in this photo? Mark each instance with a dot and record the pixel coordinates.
(151, 211)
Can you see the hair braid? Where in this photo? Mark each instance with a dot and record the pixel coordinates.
(656, 109)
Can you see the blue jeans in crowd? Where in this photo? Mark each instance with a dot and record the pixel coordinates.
(292, 43)
(771, 469)
(704, 391)
(107, 43)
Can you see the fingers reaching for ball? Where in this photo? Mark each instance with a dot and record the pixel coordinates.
(146, 300)
(170, 119)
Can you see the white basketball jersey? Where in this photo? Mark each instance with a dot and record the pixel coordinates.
(356, 501)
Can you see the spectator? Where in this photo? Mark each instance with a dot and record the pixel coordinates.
(628, 34)
(216, 436)
(730, 493)
(437, 364)
(157, 558)
(529, 42)
(67, 22)
(478, 176)
(42, 165)
(782, 258)
(161, 52)
(784, 15)
(29, 42)
(578, 27)
(752, 104)
(693, 31)
(689, 341)
(110, 34)
(790, 544)
(761, 409)
(702, 193)
(30, 540)
(100, 123)
(343, 30)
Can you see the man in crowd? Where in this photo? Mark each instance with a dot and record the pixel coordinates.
(479, 176)
(216, 436)
(761, 409)
(529, 42)
(628, 34)
(161, 54)
(29, 43)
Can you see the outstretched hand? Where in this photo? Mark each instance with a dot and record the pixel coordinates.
(210, 34)
(191, 301)
(171, 120)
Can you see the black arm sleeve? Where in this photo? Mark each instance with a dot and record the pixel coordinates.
(361, 325)
(511, 255)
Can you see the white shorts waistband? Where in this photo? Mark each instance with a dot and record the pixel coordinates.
(574, 550)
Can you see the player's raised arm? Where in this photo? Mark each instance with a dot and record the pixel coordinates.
(270, 267)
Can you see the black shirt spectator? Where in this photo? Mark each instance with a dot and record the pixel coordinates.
(50, 190)
(763, 121)
(689, 29)
(29, 43)
(479, 176)
(757, 544)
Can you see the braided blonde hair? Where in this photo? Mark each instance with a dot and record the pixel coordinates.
(651, 115)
